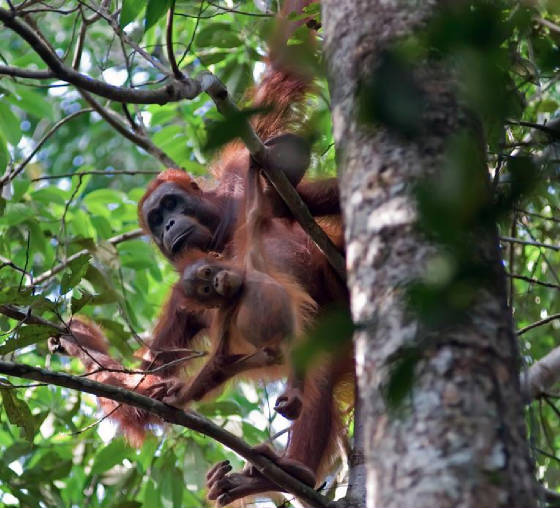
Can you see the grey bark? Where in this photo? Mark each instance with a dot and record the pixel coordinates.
(460, 440)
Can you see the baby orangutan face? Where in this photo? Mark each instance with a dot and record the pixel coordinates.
(212, 284)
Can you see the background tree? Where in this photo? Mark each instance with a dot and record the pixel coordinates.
(408, 88)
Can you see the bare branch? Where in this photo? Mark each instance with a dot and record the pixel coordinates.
(29, 319)
(188, 419)
(174, 91)
(278, 179)
(97, 172)
(169, 42)
(541, 376)
(61, 266)
(541, 322)
(112, 20)
(16, 72)
(8, 262)
(136, 137)
(532, 280)
(509, 239)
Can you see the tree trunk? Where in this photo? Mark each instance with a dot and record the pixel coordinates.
(460, 439)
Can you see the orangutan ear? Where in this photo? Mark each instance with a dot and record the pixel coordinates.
(194, 186)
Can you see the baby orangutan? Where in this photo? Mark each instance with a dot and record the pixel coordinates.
(256, 317)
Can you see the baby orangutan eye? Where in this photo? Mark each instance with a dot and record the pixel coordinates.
(205, 290)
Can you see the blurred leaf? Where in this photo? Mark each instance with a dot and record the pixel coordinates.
(222, 131)
(401, 378)
(111, 455)
(154, 11)
(4, 154)
(392, 97)
(26, 336)
(330, 333)
(32, 103)
(130, 11)
(74, 273)
(9, 124)
(217, 35)
(18, 413)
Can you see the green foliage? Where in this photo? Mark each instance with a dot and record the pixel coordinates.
(55, 451)
(505, 59)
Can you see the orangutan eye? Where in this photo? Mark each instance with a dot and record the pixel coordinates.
(207, 272)
(205, 290)
(169, 202)
(155, 219)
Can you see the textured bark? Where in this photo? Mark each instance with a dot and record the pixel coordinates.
(460, 439)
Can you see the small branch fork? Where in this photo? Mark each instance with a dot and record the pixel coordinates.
(188, 419)
(178, 88)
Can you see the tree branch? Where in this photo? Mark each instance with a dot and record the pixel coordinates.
(137, 138)
(16, 72)
(135, 233)
(541, 376)
(538, 323)
(188, 419)
(532, 280)
(169, 43)
(174, 91)
(219, 94)
(509, 239)
(29, 319)
(97, 172)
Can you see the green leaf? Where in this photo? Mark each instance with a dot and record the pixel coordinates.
(212, 58)
(18, 413)
(33, 103)
(27, 336)
(222, 131)
(154, 11)
(547, 106)
(130, 11)
(48, 195)
(9, 124)
(74, 273)
(329, 333)
(16, 213)
(217, 35)
(219, 408)
(114, 453)
(4, 154)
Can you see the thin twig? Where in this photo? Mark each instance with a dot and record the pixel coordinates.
(188, 419)
(96, 172)
(540, 216)
(58, 268)
(532, 243)
(555, 133)
(544, 321)
(136, 137)
(16, 72)
(10, 175)
(15, 313)
(169, 42)
(533, 281)
(174, 91)
(7, 262)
